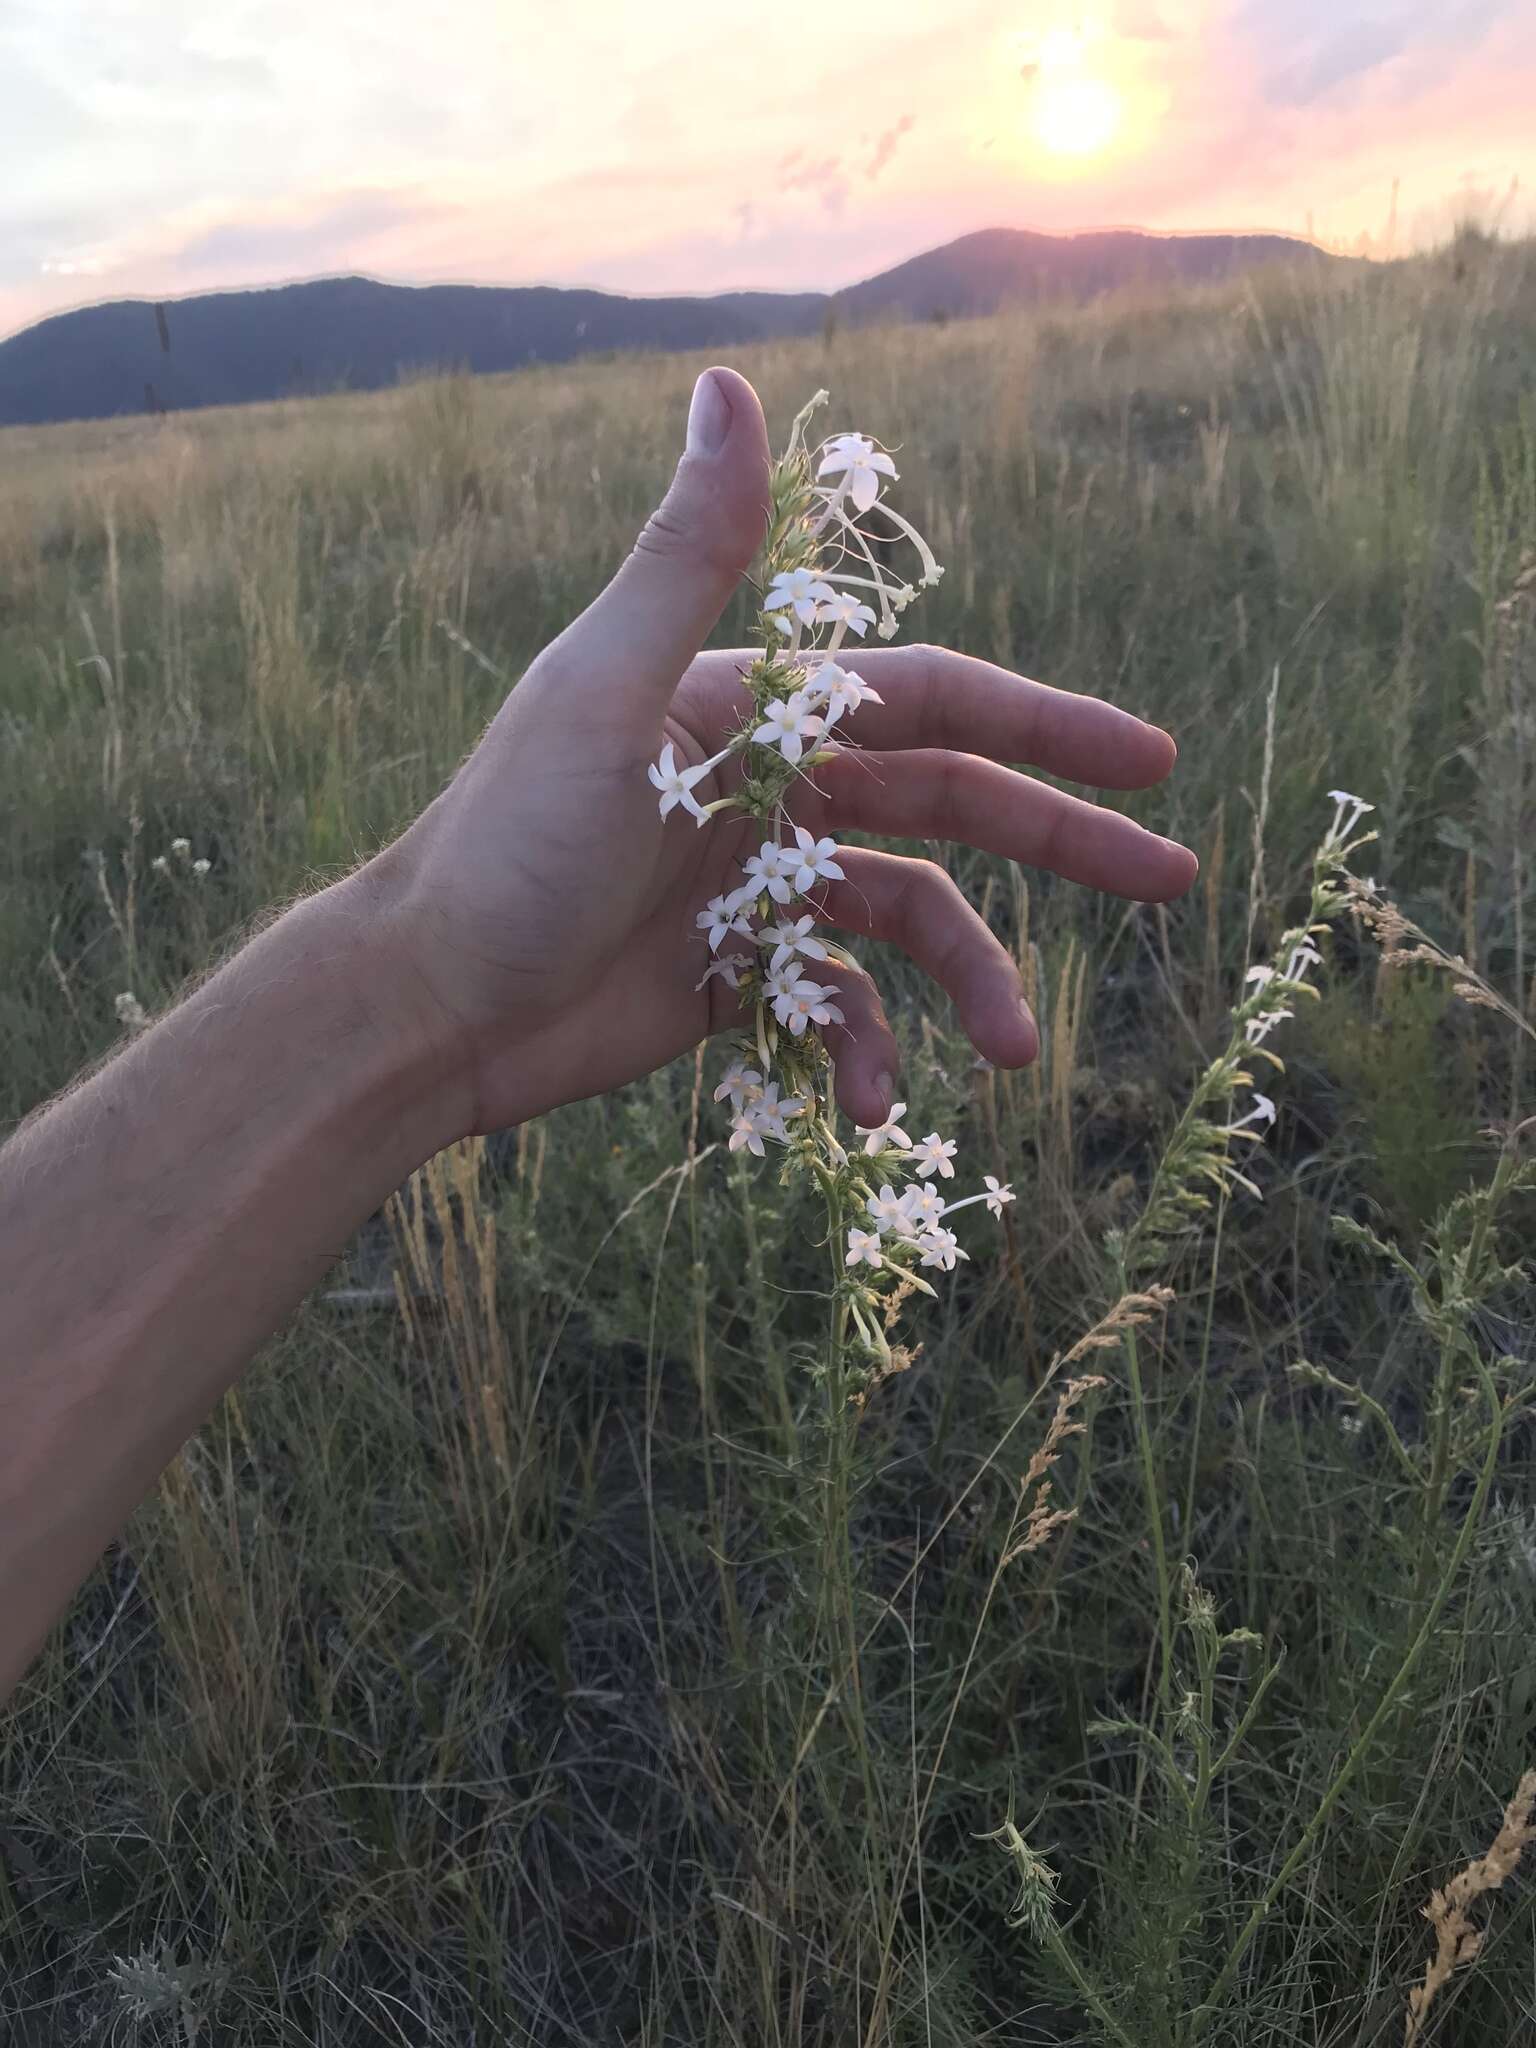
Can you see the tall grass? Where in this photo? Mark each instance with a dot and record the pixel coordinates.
(468, 1677)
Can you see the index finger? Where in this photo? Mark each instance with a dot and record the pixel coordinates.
(934, 697)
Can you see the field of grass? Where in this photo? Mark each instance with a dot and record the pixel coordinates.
(471, 1677)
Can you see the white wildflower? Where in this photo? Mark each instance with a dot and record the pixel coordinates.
(787, 724)
(791, 938)
(940, 1247)
(130, 1010)
(997, 1194)
(798, 591)
(932, 1155)
(739, 1082)
(201, 867)
(922, 1205)
(769, 870)
(722, 916)
(1262, 1112)
(886, 1211)
(805, 1004)
(182, 848)
(811, 860)
(855, 458)
(845, 691)
(1348, 810)
(676, 784)
(844, 611)
(878, 1137)
(864, 1245)
(726, 969)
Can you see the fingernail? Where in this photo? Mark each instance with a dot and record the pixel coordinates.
(709, 417)
(885, 1089)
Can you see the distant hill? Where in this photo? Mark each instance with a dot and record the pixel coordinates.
(351, 333)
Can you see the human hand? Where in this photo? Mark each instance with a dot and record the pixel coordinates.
(540, 915)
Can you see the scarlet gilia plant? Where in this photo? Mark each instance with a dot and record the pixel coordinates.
(826, 581)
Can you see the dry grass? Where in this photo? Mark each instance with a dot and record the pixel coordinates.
(482, 1672)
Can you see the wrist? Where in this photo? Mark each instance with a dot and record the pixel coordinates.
(408, 1065)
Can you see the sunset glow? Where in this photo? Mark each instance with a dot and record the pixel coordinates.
(253, 143)
(1076, 114)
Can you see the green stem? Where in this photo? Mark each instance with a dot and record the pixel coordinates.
(1153, 1490)
(1208, 2009)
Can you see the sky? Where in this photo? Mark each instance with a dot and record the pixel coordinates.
(695, 146)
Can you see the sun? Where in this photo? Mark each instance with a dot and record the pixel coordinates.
(1077, 115)
(1075, 110)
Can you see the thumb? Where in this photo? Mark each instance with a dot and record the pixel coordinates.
(652, 619)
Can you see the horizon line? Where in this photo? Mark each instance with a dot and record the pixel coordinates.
(130, 298)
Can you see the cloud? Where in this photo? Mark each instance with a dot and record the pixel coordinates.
(1361, 47)
(885, 146)
(327, 238)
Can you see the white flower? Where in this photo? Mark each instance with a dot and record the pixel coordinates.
(886, 1211)
(183, 847)
(861, 465)
(1347, 812)
(1302, 957)
(727, 969)
(878, 1136)
(781, 981)
(130, 1011)
(932, 1155)
(941, 1248)
(1260, 976)
(800, 590)
(844, 691)
(1262, 1112)
(676, 784)
(723, 916)
(160, 864)
(844, 610)
(746, 1131)
(788, 724)
(770, 1114)
(815, 861)
(741, 1083)
(1257, 1029)
(922, 1205)
(864, 1245)
(790, 938)
(770, 868)
(201, 867)
(996, 1194)
(805, 1004)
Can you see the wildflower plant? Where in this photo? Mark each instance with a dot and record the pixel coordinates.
(826, 583)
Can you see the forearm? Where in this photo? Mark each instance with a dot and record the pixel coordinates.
(243, 1139)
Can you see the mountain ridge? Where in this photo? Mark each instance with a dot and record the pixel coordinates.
(248, 345)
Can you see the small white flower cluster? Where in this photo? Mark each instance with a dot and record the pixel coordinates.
(827, 579)
(181, 854)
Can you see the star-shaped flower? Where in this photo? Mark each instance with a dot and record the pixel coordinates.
(676, 784)
(932, 1155)
(855, 458)
(722, 916)
(878, 1137)
(788, 722)
(864, 1246)
(799, 591)
(810, 861)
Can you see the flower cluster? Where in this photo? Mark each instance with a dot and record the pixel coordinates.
(827, 582)
(181, 854)
(1198, 1154)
